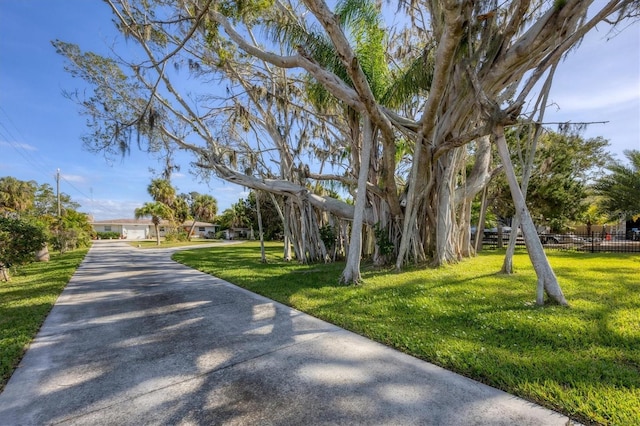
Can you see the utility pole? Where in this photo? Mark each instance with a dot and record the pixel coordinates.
(58, 190)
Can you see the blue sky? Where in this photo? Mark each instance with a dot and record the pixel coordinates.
(40, 130)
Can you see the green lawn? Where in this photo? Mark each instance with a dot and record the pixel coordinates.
(583, 361)
(25, 302)
(149, 244)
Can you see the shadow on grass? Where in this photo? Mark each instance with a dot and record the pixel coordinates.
(481, 324)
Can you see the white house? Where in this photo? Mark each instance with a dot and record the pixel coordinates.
(142, 229)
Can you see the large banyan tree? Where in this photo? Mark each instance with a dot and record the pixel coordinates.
(303, 101)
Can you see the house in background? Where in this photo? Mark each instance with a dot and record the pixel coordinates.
(200, 230)
(143, 229)
(237, 234)
(131, 229)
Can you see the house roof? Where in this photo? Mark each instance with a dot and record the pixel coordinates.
(144, 222)
(122, 222)
(190, 222)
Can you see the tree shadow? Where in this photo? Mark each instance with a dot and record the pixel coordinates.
(136, 338)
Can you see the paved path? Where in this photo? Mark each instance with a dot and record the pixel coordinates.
(136, 338)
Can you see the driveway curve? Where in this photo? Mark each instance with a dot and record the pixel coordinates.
(136, 338)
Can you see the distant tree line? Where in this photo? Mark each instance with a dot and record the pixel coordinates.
(176, 208)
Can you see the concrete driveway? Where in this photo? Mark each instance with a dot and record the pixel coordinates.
(136, 338)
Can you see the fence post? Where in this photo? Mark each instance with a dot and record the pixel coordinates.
(593, 247)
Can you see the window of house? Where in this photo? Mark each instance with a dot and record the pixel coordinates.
(162, 229)
(107, 228)
(200, 228)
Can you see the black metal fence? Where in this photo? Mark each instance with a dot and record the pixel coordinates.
(593, 243)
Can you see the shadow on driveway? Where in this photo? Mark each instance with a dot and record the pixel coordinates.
(136, 338)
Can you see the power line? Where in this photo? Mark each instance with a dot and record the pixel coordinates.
(37, 163)
(7, 136)
(75, 187)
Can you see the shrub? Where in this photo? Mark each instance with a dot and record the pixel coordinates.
(19, 240)
(328, 236)
(64, 240)
(108, 235)
(176, 236)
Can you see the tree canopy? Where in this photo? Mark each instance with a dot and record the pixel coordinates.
(619, 191)
(19, 240)
(157, 211)
(37, 205)
(289, 97)
(564, 167)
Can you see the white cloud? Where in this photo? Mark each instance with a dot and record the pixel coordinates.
(102, 209)
(73, 178)
(19, 145)
(229, 189)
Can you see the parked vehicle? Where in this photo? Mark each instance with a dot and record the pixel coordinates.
(491, 236)
(561, 239)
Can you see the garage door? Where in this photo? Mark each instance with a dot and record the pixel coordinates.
(135, 234)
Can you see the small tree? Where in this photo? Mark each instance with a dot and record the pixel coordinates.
(619, 190)
(71, 231)
(157, 211)
(203, 207)
(19, 240)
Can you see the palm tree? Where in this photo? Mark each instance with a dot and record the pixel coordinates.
(162, 191)
(204, 207)
(157, 211)
(363, 19)
(593, 216)
(619, 190)
(16, 195)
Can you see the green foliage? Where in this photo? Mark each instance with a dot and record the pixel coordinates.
(156, 210)
(25, 302)
(71, 231)
(362, 23)
(108, 235)
(203, 207)
(38, 205)
(162, 191)
(416, 77)
(619, 191)
(490, 220)
(563, 166)
(243, 214)
(582, 361)
(239, 215)
(19, 240)
(559, 4)
(247, 10)
(328, 236)
(272, 226)
(181, 211)
(363, 19)
(382, 240)
(178, 235)
(46, 201)
(16, 195)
